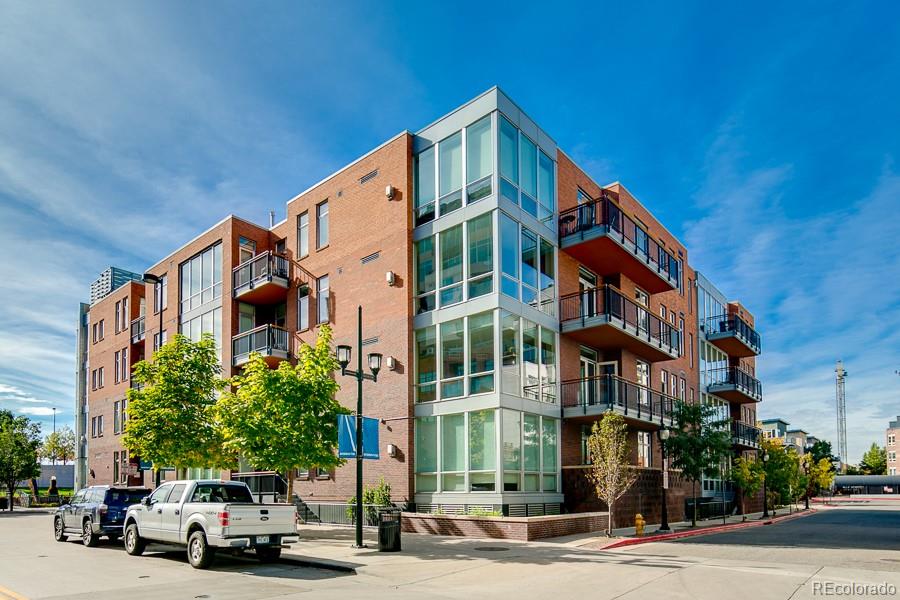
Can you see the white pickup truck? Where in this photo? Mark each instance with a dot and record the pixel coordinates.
(205, 515)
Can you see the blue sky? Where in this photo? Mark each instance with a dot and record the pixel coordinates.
(765, 139)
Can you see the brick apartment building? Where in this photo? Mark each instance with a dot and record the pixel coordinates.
(514, 300)
(890, 446)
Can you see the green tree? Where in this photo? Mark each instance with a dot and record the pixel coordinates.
(699, 443)
(20, 440)
(59, 446)
(780, 470)
(820, 473)
(286, 418)
(798, 479)
(610, 472)
(747, 476)
(822, 449)
(171, 420)
(874, 461)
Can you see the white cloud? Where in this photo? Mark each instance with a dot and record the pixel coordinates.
(38, 411)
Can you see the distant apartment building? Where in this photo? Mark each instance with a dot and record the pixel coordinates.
(891, 445)
(515, 300)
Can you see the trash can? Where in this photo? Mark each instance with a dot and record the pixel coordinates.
(389, 530)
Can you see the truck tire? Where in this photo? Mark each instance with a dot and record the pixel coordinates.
(134, 543)
(268, 554)
(59, 531)
(200, 554)
(88, 537)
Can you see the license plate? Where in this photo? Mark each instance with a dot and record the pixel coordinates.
(262, 539)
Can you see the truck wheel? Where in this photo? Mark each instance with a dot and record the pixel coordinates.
(58, 530)
(268, 554)
(88, 537)
(200, 554)
(134, 544)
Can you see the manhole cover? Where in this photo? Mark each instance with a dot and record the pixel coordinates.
(491, 548)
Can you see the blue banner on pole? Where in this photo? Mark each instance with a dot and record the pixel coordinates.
(347, 437)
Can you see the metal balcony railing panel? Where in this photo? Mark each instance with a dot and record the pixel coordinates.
(734, 378)
(607, 301)
(745, 434)
(266, 340)
(261, 268)
(611, 392)
(605, 215)
(733, 325)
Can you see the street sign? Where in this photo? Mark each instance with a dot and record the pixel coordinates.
(347, 437)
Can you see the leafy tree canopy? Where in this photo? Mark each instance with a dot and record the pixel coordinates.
(610, 472)
(59, 446)
(874, 461)
(20, 440)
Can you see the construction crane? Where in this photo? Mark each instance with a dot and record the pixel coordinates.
(841, 401)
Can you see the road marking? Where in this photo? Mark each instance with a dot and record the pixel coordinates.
(10, 595)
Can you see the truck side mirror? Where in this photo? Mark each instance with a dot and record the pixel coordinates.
(146, 501)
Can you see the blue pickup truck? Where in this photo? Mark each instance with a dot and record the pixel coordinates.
(96, 511)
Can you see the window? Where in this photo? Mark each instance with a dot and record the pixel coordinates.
(426, 454)
(548, 365)
(528, 175)
(664, 382)
(451, 266)
(452, 359)
(450, 174)
(482, 451)
(100, 377)
(303, 309)
(160, 338)
(93, 427)
(176, 493)
(94, 333)
(99, 425)
(160, 294)
(123, 403)
(691, 348)
(116, 467)
(512, 450)
(510, 377)
(93, 379)
(453, 453)
(479, 160)
(509, 256)
(117, 366)
(643, 380)
(303, 235)
(201, 278)
(101, 329)
(644, 457)
(425, 186)
(426, 365)
(481, 262)
(548, 453)
(529, 267)
(425, 275)
(322, 300)
(531, 452)
(509, 161)
(116, 418)
(481, 353)
(681, 335)
(118, 316)
(681, 387)
(246, 250)
(546, 187)
(321, 225)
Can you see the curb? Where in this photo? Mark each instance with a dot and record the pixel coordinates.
(319, 563)
(705, 531)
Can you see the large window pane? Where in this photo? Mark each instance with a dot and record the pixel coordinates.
(425, 186)
(531, 443)
(509, 255)
(529, 267)
(426, 364)
(426, 269)
(546, 186)
(509, 151)
(530, 360)
(482, 440)
(509, 347)
(322, 299)
(450, 173)
(548, 365)
(452, 356)
(426, 445)
(451, 265)
(481, 259)
(548, 444)
(303, 235)
(453, 447)
(322, 225)
(478, 148)
(547, 271)
(481, 352)
(529, 175)
(512, 440)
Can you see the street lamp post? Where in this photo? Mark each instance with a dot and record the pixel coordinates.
(765, 459)
(664, 520)
(806, 471)
(156, 280)
(343, 355)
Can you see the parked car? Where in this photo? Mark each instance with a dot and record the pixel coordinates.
(96, 511)
(206, 515)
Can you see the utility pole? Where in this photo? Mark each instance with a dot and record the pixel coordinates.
(54, 419)
(841, 401)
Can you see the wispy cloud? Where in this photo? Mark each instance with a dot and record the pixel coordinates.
(825, 286)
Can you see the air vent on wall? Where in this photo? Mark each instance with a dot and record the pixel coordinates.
(370, 341)
(367, 259)
(368, 177)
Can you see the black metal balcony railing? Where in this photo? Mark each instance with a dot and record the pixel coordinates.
(262, 267)
(138, 330)
(734, 377)
(614, 393)
(605, 214)
(267, 340)
(745, 434)
(609, 302)
(733, 325)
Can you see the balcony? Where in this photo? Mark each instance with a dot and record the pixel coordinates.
(138, 330)
(605, 319)
(602, 237)
(745, 435)
(264, 279)
(269, 341)
(734, 384)
(593, 396)
(732, 335)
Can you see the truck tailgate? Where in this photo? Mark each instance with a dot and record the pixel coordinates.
(260, 519)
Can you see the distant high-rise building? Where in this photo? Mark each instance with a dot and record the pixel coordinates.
(890, 446)
(110, 280)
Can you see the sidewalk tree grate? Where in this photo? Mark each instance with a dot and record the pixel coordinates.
(491, 548)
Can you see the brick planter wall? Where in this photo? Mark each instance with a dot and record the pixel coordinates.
(509, 528)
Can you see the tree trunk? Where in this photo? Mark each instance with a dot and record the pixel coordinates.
(694, 512)
(11, 489)
(609, 525)
(290, 482)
